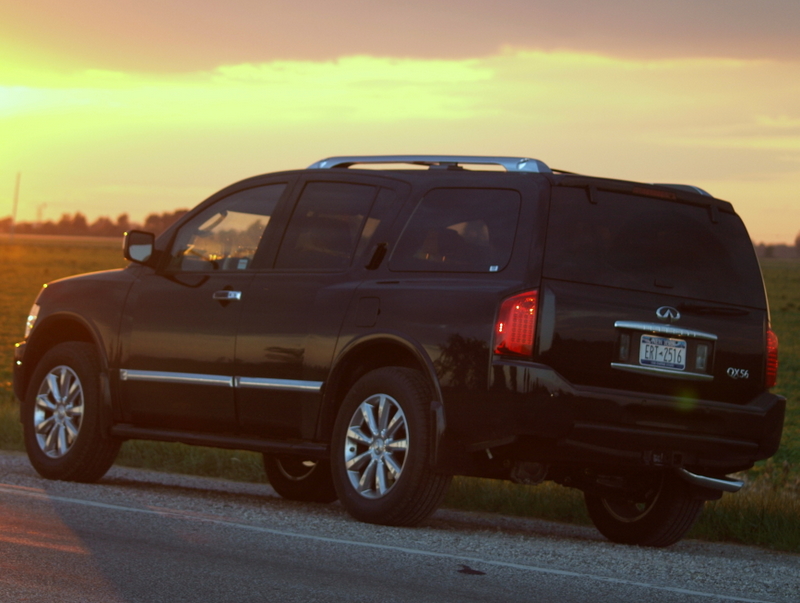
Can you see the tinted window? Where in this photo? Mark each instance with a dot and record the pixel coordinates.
(650, 244)
(226, 235)
(326, 226)
(459, 230)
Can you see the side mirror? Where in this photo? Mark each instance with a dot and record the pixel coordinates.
(138, 246)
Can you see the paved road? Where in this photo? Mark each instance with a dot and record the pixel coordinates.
(143, 536)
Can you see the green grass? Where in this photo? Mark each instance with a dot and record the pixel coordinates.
(238, 465)
(27, 264)
(782, 279)
(766, 513)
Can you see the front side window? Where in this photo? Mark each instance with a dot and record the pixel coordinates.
(459, 230)
(326, 226)
(226, 235)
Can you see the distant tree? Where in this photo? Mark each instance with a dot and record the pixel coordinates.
(797, 244)
(48, 228)
(103, 227)
(123, 223)
(79, 224)
(64, 224)
(158, 223)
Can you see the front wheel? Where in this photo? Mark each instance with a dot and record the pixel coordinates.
(658, 515)
(294, 478)
(64, 434)
(381, 446)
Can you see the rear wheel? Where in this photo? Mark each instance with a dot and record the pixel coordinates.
(659, 514)
(295, 478)
(64, 434)
(381, 446)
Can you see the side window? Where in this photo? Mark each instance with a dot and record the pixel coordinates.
(459, 230)
(226, 235)
(386, 197)
(326, 226)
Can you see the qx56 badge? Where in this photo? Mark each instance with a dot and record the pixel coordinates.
(737, 373)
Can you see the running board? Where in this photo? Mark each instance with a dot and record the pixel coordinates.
(712, 483)
(308, 450)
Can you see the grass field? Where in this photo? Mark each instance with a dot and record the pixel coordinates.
(765, 513)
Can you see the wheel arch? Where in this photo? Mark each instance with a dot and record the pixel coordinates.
(371, 352)
(62, 328)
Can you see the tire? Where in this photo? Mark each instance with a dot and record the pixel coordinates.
(659, 517)
(294, 478)
(380, 449)
(61, 415)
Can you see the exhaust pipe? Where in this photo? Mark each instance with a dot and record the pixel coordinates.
(712, 483)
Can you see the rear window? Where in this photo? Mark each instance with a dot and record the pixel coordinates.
(649, 244)
(459, 230)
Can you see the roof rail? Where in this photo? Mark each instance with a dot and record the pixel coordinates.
(686, 187)
(511, 164)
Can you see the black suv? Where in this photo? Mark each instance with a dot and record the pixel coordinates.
(373, 332)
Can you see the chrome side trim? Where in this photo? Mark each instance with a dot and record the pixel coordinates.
(184, 378)
(714, 483)
(286, 385)
(511, 164)
(661, 372)
(651, 327)
(291, 385)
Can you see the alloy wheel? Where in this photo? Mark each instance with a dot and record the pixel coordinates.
(58, 412)
(376, 446)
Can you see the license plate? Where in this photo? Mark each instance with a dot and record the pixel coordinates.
(662, 352)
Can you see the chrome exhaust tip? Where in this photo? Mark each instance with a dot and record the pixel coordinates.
(712, 483)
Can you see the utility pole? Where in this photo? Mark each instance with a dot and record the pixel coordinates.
(16, 203)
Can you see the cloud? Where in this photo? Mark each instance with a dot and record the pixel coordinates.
(108, 135)
(173, 36)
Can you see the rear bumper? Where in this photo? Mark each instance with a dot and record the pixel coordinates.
(531, 413)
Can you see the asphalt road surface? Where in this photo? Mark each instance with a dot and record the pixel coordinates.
(144, 536)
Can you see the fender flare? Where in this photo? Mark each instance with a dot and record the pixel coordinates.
(36, 344)
(437, 409)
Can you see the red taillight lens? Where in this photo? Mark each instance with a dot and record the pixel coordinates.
(516, 325)
(772, 358)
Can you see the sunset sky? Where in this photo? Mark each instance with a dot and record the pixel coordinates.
(150, 105)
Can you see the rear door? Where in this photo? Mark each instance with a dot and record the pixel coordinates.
(298, 298)
(652, 294)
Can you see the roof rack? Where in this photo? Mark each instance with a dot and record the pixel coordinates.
(511, 164)
(686, 187)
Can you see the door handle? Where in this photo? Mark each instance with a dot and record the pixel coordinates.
(227, 295)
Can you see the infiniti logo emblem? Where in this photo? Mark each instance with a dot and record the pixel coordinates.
(668, 314)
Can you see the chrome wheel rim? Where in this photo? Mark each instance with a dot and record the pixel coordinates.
(58, 412)
(376, 446)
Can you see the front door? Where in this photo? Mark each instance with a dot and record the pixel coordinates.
(180, 321)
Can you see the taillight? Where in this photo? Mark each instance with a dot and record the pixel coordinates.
(516, 325)
(772, 358)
